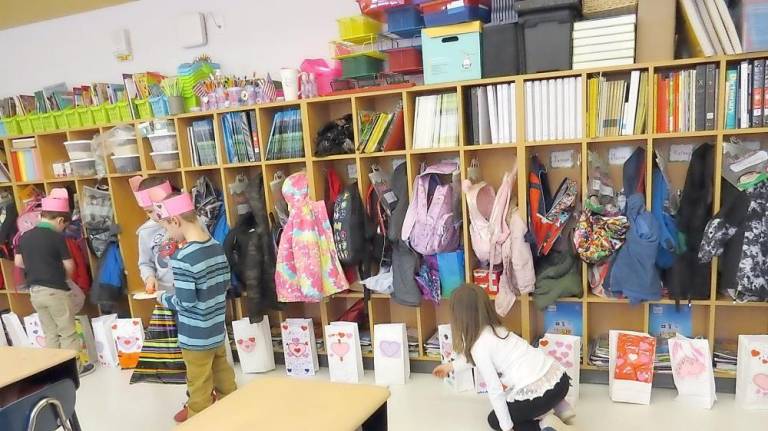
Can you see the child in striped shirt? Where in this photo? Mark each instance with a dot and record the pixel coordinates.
(201, 278)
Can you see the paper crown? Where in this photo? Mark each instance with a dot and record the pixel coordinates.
(57, 200)
(143, 197)
(174, 206)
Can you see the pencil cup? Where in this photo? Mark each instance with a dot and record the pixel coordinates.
(233, 96)
(250, 92)
(221, 98)
(290, 80)
(176, 105)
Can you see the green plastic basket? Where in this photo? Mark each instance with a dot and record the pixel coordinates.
(11, 126)
(100, 116)
(86, 116)
(361, 65)
(37, 123)
(113, 113)
(73, 119)
(61, 120)
(49, 123)
(144, 109)
(25, 124)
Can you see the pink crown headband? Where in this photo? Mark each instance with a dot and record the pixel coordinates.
(57, 200)
(143, 197)
(174, 206)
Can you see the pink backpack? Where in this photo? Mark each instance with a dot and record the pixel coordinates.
(28, 219)
(430, 226)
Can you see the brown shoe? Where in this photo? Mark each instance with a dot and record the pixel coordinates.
(182, 415)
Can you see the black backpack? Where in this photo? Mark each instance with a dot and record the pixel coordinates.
(349, 226)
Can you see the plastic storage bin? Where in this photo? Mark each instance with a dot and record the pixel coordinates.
(37, 123)
(159, 105)
(358, 65)
(60, 117)
(73, 119)
(127, 164)
(405, 60)
(547, 26)
(143, 109)
(358, 29)
(83, 167)
(79, 150)
(113, 113)
(405, 22)
(447, 12)
(25, 124)
(3, 133)
(86, 116)
(11, 126)
(125, 111)
(49, 122)
(166, 160)
(163, 142)
(124, 146)
(376, 8)
(501, 50)
(452, 53)
(100, 116)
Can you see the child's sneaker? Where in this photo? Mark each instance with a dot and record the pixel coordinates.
(86, 369)
(182, 414)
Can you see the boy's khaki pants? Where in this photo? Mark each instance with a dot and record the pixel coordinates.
(207, 370)
(57, 317)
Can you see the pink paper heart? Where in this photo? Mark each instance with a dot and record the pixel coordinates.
(40, 340)
(567, 364)
(569, 347)
(390, 349)
(559, 344)
(552, 353)
(761, 381)
(247, 346)
(297, 349)
(340, 349)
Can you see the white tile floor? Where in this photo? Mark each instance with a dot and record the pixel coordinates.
(107, 402)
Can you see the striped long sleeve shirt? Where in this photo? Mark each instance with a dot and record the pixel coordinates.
(201, 276)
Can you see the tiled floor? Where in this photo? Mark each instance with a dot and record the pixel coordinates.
(107, 402)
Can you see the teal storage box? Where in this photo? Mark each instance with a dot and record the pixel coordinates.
(452, 52)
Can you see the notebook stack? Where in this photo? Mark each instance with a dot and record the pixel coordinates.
(686, 100)
(202, 145)
(241, 138)
(553, 109)
(286, 139)
(746, 92)
(617, 107)
(708, 28)
(381, 131)
(413, 344)
(432, 346)
(599, 352)
(725, 354)
(604, 42)
(436, 123)
(492, 117)
(365, 342)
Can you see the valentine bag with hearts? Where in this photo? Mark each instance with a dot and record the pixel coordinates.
(566, 349)
(391, 364)
(253, 342)
(345, 357)
(34, 330)
(630, 366)
(692, 371)
(15, 330)
(752, 372)
(128, 335)
(88, 344)
(299, 347)
(106, 352)
(461, 380)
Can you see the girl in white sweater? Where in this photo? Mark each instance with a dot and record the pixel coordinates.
(523, 383)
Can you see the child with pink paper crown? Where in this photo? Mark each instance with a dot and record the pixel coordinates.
(201, 276)
(47, 264)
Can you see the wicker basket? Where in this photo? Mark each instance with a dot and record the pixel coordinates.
(602, 8)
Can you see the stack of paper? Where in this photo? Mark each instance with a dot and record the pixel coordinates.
(604, 42)
(286, 140)
(413, 344)
(365, 342)
(553, 109)
(617, 107)
(492, 117)
(432, 346)
(241, 138)
(725, 354)
(599, 352)
(436, 123)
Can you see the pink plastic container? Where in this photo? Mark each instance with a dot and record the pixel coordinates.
(325, 72)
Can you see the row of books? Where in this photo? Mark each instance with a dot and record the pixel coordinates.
(604, 42)
(709, 28)
(26, 164)
(436, 122)
(617, 107)
(725, 355)
(202, 144)
(241, 138)
(492, 117)
(553, 109)
(381, 131)
(746, 95)
(286, 139)
(686, 100)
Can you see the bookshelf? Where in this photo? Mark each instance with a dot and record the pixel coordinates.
(716, 317)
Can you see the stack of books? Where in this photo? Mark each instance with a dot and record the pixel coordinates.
(746, 93)
(365, 342)
(604, 42)
(686, 100)
(553, 109)
(202, 144)
(617, 107)
(286, 140)
(600, 352)
(25, 159)
(241, 138)
(413, 344)
(436, 123)
(709, 28)
(432, 346)
(725, 355)
(492, 116)
(381, 131)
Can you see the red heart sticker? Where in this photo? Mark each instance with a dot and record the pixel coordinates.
(303, 327)
(127, 342)
(114, 326)
(297, 350)
(543, 343)
(285, 327)
(765, 361)
(135, 322)
(240, 341)
(252, 339)
(755, 353)
(341, 335)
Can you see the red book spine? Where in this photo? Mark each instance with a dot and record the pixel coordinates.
(675, 118)
(662, 104)
(16, 169)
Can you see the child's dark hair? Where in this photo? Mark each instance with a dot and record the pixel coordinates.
(53, 215)
(189, 216)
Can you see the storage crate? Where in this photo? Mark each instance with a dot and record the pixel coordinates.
(73, 118)
(447, 12)
(113, 113)
(100, 116)
(357, 29)
(452, 53)
(60, 117)
(361, 65)
(405, 22)
(37, 123)
(25, 124)
(377, 9)
(159, 105)
(11, 126)
(604, 8)
(86, 116)
(405, 60)
(3, 133)
(143, 109)
(501, 50)
(49, 122)
(547, 29)
(125, 111)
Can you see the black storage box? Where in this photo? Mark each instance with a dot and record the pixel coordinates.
(501, 50)
(547, 29)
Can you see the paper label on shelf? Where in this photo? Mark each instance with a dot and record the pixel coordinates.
(396, 163)
(596, 185)
(680, 152)
(352, 172)
(619, 155)
(561, 159)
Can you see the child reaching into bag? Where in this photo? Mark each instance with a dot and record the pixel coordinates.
(523, 383)
(201, 276)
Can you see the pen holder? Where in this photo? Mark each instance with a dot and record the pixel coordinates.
(233, 97)
(208, 102)
(176, 105)
(250, 95)
(221, 98)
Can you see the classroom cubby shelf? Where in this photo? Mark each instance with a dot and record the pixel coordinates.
(717, 317)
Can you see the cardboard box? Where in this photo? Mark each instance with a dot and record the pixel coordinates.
(452, 53)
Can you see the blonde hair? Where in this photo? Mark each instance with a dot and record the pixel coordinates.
(471, 312)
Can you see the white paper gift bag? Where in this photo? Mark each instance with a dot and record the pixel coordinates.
(3, 340)
(345, 357)
(390, 354)
(106, 352)
(299, 347)
(630, 366)
(34, 330)
(752, 372)
(692, 371)
(253, 342)
(88, 348)
(566, 349)
(15, 330)
(129, 340)
(460, 381)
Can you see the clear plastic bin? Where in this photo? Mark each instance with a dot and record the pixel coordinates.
(127, 146)
(163, 142)
(83, 167)
(166, 160)
(357, 29)
(79, 150)
(127, 164)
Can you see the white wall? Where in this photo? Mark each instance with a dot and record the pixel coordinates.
(259, 36)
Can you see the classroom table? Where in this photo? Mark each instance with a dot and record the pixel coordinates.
(273, 403)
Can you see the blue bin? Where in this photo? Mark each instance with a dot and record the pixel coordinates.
(159, 106)
(405, 22)
(456, 15)
(3, 133)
